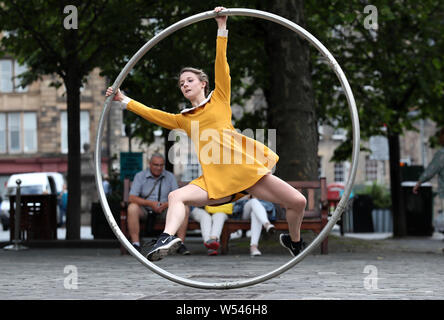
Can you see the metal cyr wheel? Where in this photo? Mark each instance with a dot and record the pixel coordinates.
(352, 173)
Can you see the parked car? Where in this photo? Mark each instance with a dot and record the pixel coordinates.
(31, 183)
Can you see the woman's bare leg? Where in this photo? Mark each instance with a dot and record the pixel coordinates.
(273, 189)
(182, 232)
(191, 195)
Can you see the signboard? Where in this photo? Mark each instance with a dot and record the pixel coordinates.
(130, 164)
(379, 148)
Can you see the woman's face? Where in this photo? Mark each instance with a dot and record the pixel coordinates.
(190, 85)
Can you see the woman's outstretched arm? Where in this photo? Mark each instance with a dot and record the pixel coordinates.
(221, 67)
(161, 118)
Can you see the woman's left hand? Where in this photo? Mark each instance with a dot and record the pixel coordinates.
(221, 20)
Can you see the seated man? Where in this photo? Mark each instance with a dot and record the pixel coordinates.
(149, 195)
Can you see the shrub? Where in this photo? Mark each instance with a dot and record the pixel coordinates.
(380, 195)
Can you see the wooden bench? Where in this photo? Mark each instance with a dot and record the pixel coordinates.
(315, 216)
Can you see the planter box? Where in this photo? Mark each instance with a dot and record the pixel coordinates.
(382, 220)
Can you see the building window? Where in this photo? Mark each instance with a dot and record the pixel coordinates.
(18, 132)
(339, 172)
(2, 133)
(84, 130)
(9, 71)
(29, 132)
(14, 132)
(371, 169)
(6, 84)
(320, 167)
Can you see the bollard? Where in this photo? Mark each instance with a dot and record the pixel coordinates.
(17, 246)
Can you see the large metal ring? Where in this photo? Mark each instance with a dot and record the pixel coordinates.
(351, 177)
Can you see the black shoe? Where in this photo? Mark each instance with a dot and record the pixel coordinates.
(271, 229)
(137, 247)
(293, 247)
(183, 250)
(165, 244)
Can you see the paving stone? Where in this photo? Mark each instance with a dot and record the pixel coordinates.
(405, 269)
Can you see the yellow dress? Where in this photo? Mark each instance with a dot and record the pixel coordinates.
(231, 162)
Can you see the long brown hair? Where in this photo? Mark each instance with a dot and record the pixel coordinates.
(201, 75)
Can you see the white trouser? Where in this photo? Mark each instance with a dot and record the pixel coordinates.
(254, 209)
(211, 225)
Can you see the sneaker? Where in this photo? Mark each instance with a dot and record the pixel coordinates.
(270, 229)
(293, 247)
(137, 247)
(212, 252)
(212, 244)
(254, 252)
(183, 250)
(165, 244)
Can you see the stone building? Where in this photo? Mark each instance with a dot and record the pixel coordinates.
(33, 127)
(374, 167)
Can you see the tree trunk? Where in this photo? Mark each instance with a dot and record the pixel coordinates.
(290, 95)
(74, 160)
(73, 83)
(398, 208)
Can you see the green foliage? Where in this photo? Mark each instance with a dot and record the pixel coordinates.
(380, 195)
(37, 37)
(392, 71)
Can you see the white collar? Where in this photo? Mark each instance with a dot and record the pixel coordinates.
(200, 105)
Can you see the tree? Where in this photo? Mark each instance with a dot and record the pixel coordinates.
(289, 94)
(69, 39)
(393, 69)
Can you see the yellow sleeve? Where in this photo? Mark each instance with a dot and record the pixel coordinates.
(161, 118)
(222, 71)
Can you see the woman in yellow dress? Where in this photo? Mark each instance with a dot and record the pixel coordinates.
(232, 164)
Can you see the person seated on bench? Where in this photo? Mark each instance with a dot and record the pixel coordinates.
(212, 219)
(149, 196)
(259, 211)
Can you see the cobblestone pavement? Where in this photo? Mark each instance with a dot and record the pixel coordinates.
(410, 268)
